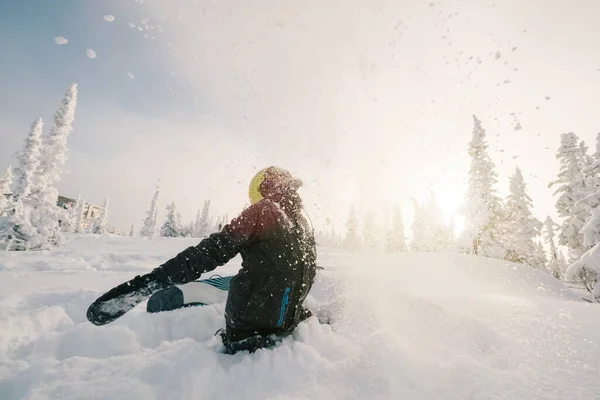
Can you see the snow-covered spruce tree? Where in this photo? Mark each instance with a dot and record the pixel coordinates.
(443, 234)
(75, 215)
(396, 240)
(68, 224)
(483, 209)
(79, 216)
(101, 220)
(540, 258)
(586, 271)
(556, 266)
(371, 236)
(170, 228)
(522, 227)
(421, 230)
(430, 232)
(132, 230)
(5, 190)
(45, 213)
(203, 222)
(29, 161)
(352, 240)
(149, 228)
(17, 231)
(571, 189)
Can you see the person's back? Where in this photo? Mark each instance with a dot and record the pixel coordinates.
(278, 270)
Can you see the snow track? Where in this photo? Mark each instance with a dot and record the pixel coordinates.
(414, 326)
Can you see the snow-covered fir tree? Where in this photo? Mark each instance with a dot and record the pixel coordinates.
(46, 213)
(101, 220)
(203, 222)
(556, 264)
(149, 228)
(396, 240)
(540, 258)
(522, 227)
(5, 190)
(79, 215)
(171, 227)
(430, 232)
(132, 230)
(328, 237)
(18, 231)
(29, 161)
(352, 239)
(371, 236)
(69, 223)
(571, 188)
(422, 232)
(483, 209)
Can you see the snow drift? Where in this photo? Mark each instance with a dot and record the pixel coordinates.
(414, 326)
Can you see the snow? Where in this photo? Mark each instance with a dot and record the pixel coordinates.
(109, 18)
(414, 326)
(61, 40)
(130, 75)
(90, 53)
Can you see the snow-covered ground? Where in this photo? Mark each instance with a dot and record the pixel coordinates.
(413, 326)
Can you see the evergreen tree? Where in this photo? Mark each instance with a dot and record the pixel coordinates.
(421, 230)
(132, 230)
(396, 240)
(17, 231)
(149, 228)
(79, 215)
(101, 220)
(29, 160)
(352, 239)
(556, 264)
(371, 235)
(430, 232)
(170, 228)
(203, 222)
(540, 258)
(571, 189)
(522, 226)
(76, 216)
(5, 190)
(482, 208)
(46, 213)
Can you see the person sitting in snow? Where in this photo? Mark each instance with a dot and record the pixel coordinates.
(278, 251)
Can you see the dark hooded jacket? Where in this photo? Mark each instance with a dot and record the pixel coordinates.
(278, 268)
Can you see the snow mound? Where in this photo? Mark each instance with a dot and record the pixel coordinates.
(417, 326)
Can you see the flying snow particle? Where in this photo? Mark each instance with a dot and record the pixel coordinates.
(61, 40)
(109, 18)
(506, 81)
(90, 53)
(498, 55)
(518, 127)
(130, 75)
(548, 97)
(131, 25)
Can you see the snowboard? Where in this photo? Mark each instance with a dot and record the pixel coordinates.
(124, 297)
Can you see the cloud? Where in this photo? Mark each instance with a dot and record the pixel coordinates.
(109, 18)
(90, 53)
(61, 40)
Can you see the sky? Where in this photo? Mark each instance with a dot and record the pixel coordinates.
(370, 103)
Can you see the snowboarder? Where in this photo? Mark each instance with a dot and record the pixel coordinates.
(278, 269)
